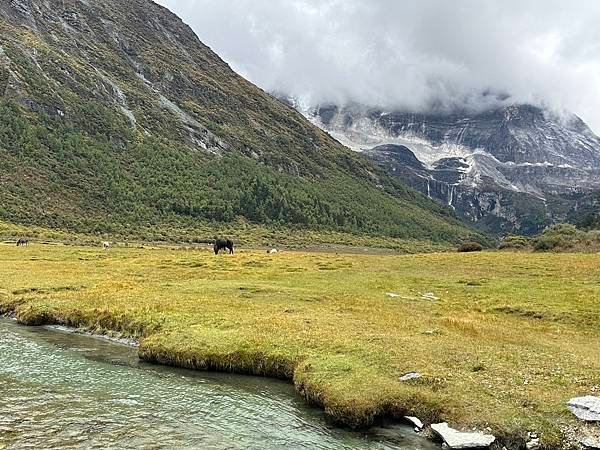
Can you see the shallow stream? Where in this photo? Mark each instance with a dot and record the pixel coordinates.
(64, 390)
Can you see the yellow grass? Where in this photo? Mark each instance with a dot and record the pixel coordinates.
(511, 338)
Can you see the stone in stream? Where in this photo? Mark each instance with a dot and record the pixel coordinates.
(415, 421)
(457, 439)
(586, 408)
(411, 376)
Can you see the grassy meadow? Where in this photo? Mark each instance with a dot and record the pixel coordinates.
(243, 233)
(502, 339)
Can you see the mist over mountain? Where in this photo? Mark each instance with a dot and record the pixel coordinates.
(427, 56)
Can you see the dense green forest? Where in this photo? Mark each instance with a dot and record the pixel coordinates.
(59, 175)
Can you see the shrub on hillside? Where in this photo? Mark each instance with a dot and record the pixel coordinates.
(590, 222)
(562, 229)
(470, 247)
(558, 237)
(514, 243)
(563, 237)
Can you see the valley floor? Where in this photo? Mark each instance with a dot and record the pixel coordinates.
(502, 340)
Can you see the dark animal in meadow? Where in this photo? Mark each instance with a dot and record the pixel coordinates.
(222, 244)
(22, 242)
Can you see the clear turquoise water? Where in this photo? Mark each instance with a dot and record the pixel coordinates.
(61, 390)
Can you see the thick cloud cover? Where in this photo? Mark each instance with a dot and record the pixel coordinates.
(411, 54)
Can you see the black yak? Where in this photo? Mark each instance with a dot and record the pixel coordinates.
(221, 244)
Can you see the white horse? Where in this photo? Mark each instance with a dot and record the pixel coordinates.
(106, 245)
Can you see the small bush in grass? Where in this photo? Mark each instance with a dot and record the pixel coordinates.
(470, 247)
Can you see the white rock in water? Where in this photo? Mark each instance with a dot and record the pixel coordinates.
(458, 439)
(415, 421)
(411, 376)
(586, 408)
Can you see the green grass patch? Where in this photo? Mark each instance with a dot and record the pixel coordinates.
(510, 339)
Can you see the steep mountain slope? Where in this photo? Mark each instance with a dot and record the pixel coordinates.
(113, 115)
(517, 168)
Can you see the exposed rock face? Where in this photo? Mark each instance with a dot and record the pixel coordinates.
(92, 34)
(586, 408)
(517, 168)
(457, 439)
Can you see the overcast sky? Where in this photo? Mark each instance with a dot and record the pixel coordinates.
(411, 54)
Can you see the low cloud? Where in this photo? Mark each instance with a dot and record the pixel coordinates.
(409, 55)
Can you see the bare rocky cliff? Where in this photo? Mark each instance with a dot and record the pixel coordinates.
(512, 169)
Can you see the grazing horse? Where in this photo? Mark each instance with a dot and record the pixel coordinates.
(22, 242)
(106, 245)
(221, 244)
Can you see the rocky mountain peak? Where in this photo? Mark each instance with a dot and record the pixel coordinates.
(523, 115)
(480, 163)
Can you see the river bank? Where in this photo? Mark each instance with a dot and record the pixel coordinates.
(65, 390)
(502, 341)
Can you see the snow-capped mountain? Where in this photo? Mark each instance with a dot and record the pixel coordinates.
(516, 168)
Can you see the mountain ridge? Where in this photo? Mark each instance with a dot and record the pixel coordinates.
(116, 115)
